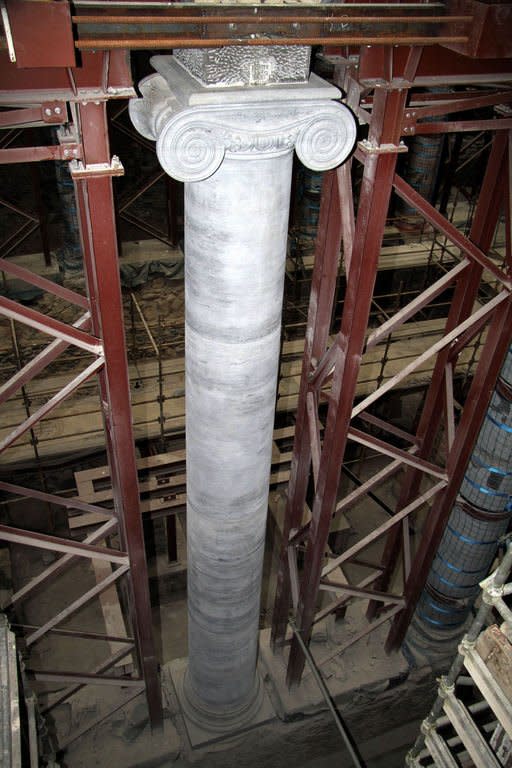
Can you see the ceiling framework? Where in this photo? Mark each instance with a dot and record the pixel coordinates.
(388, 53)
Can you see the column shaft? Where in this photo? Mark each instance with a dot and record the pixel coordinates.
(233, 149)
(235, 243)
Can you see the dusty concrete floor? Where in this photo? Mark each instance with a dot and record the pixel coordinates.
(383, 715)
(384, 726)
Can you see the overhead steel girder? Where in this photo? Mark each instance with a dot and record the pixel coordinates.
(471, 27)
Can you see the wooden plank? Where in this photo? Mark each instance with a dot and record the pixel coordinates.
(111, 610)
(166, 491)
(496, 652)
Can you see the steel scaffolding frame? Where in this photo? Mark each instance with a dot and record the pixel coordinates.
(99, 333)
(485, 670)
(389, 68)
(382, 93)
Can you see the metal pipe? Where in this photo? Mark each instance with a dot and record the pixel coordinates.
(255, 19)
(345, 735)
(151, 43)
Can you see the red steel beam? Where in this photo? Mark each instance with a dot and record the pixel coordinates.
(415, 305)
(378, 532)
(103, 667)
(384, 597)
(449, 405)
(54, 112)
(387, 449)
(386, 426)
(69, 502)
(122, 701)
(58, 544)
(38, 154)
(49, 325)
(58, 566)
(324, 612)
(388, 613)
(191, 41)
(439, 222)
(76, 604)
(345, 192)
(78, 634)
(444, 343)
(82, 678)
(95, 206)
(460, 104)
(462, 126)
(18, 237)
(39, 362)
(352, 498)
(52, 403)
(41, 282)
(256, 17)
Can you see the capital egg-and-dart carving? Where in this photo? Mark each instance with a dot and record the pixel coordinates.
(233, 148)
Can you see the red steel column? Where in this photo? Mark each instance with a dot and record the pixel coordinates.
(489, 366)
(93, 186)
(482, 232)
(379, 169)
(323, 288)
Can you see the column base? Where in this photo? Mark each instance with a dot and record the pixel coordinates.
(206, 727)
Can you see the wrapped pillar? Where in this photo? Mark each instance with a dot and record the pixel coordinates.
(232, 144)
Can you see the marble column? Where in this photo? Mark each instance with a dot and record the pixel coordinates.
(233, 148)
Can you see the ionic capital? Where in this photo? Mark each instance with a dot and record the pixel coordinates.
(192, 140)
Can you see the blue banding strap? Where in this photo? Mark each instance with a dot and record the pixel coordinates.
(437, 623)
(499, 424)
(484, 489)
(452, 583)
(454, 568)
(468, 540)
(438, 608)
(494, 470)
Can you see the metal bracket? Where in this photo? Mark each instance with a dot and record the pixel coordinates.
(85, 95)
(466, 646)
(68, 140)
(409, 122)
(381, 149)
(7, 31)
(54, 111)
(445, 687)
(94, 170)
